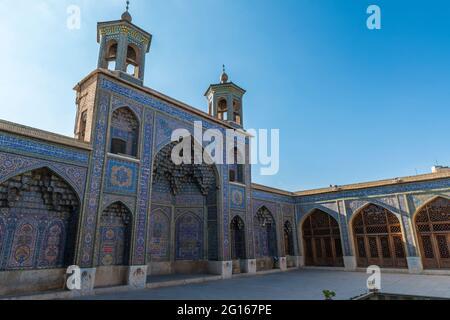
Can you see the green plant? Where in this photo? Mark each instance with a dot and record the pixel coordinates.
(329, 295)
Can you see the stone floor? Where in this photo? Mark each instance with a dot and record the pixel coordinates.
(175, 277)
(294, 285)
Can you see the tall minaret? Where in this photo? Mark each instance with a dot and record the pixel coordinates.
(225, 101)
(123, 47)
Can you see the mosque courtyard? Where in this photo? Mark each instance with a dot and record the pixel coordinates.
(305, 284)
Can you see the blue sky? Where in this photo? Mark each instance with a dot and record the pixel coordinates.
(351, 104)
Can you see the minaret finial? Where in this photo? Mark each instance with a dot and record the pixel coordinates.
(224, 76)
(126, 15)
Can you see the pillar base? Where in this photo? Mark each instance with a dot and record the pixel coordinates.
(415, 265)
(299, 261)
(137, 277)
(282, 263)
(87, 280)
(350, 263)
(248, 266)
(221, 268)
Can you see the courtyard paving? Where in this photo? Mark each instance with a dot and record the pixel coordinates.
(293, 285)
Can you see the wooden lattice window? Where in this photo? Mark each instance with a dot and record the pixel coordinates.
(378, 238)
(433, 228)
(322, 242)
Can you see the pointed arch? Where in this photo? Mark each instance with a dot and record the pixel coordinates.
(314, 208)
(113, 201)
(56, 170)
(432, 224)
(378, 237)
(115, 230)
(42, 210)
(429, 201)
(322, 242)
(170, 144)
(374, 202)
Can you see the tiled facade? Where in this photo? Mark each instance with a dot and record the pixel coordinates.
(126, 218)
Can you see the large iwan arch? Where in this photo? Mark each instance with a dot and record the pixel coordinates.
(432, 223)
(183, 235)
(322, 240)
(41, 211)
(378, 238)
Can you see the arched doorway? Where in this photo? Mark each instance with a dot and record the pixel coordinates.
(238, 252)
(378, 238)
(38, 221)
(322, 240)
(433, 231)
(115, 236)
(265, 239)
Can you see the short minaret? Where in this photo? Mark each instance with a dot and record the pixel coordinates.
(225, 101)
(123, 47)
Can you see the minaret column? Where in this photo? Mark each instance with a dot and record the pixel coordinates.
(101, 56)
(122, 48)
(230, 106)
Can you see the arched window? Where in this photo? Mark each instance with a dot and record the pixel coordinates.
(111, 56)
(124, 133)
(288, 239)
(237, 169)
(222, 109)
(82, 130)
(132, 62)
(237, 112)
(115, 236)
